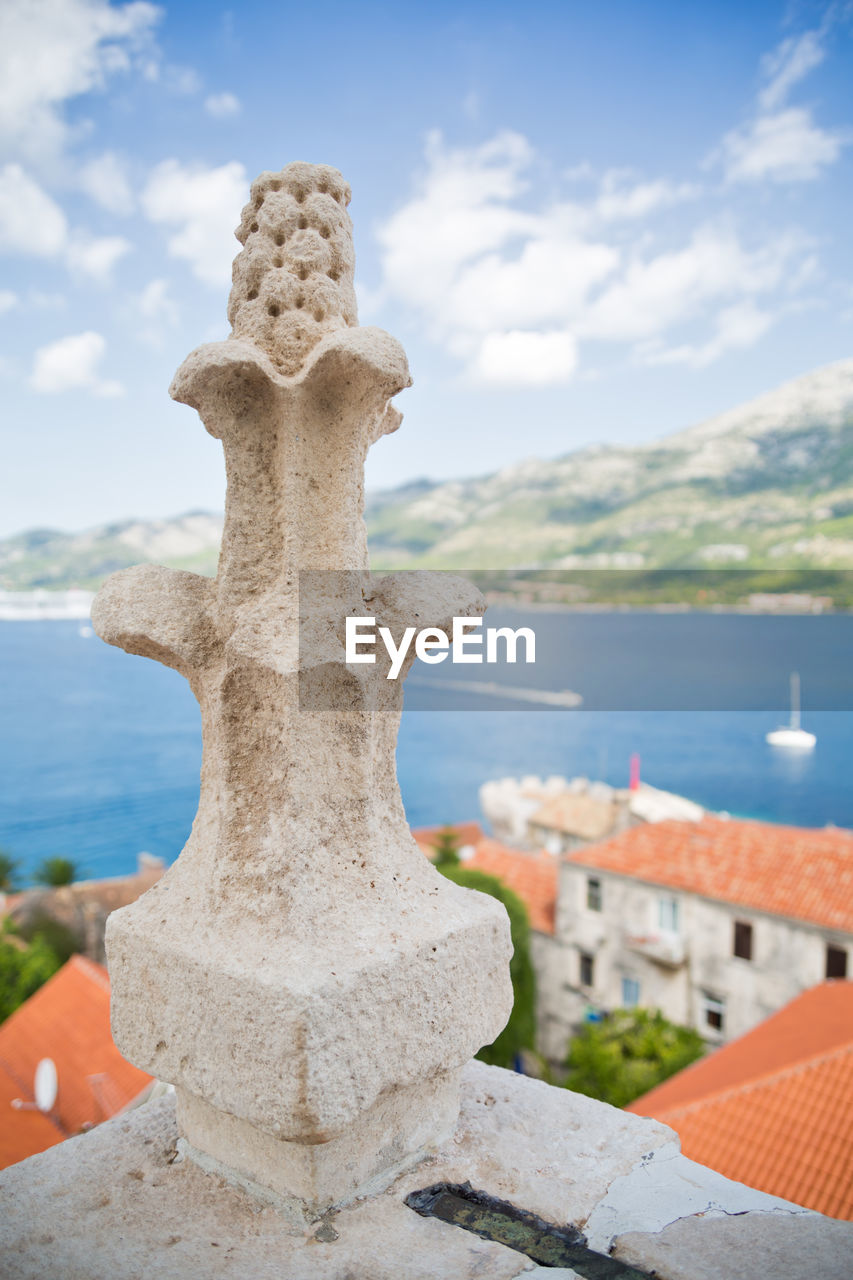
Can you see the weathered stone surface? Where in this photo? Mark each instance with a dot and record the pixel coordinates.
(373, 1150)
(655, 1193)
(750, 1246)
(116, 1204)
(293, 282)
(301, 967)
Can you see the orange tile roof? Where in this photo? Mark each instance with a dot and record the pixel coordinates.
(774, 1109)
(533, 876)
(68, 1019)
(22, 1133)
(467, 833)
(789, 871)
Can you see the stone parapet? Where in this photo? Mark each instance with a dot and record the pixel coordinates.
(123, 1202)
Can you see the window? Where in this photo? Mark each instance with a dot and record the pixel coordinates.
(743, 940)
(587, 969)
(630, 993)
(713, 1012)
(836, 962)
(668, 915)
(593, 894)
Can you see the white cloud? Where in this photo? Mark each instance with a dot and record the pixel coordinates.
(487, 275)
(460, 212)
(782, 143)
(620, 200)
(548, 280)
(46, 301)
(8, 300)
(655, 293)
(96, 256)
(105, 180)
(55, 50)
(737, 327)
(510, 289)
(155, 303)
(785, 147)
(158, 312)
(788, 64)
(222, 105)
(184, 81)
(472, 106)
(525, 359)
(205, 206)
(71, 364)
(30, 220)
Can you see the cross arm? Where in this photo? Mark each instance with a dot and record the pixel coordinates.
(160, 613)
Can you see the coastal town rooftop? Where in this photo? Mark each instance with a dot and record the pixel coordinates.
(789, 871)
(775, 1107)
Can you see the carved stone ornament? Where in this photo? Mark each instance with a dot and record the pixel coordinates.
(310, 984)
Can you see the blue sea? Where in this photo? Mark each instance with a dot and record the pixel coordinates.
(100, 751)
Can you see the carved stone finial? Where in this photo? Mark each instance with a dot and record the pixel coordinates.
(293, 282)
(304, 977)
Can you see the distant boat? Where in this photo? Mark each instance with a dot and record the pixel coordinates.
(791, 735)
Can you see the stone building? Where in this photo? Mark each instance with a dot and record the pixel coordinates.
(84, 906)
(718, 924)
(560, 815)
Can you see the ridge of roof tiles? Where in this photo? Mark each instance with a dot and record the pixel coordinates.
(774, 1109)
(815, 1022)
(797, 872)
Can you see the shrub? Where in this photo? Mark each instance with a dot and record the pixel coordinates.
(520, 1032)
(447, 849)
(56, 871)
(23, 971)
(8, 873)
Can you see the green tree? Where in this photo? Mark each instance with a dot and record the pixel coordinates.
(56, 871)
(446, 848)
(520, 1032)
(23, 970)
(628, 1053)
(8, 873)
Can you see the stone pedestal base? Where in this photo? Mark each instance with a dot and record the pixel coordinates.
(401, 1128)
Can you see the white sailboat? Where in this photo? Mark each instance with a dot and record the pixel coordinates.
(791, 735)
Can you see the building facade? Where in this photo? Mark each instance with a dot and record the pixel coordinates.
(718, 924)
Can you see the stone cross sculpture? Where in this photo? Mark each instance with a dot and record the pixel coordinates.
(304, 977)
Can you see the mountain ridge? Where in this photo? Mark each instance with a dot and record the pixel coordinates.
(766, 484)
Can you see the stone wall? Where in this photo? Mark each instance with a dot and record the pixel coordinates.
(787, 956)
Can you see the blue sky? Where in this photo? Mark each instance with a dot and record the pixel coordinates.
(586, 222)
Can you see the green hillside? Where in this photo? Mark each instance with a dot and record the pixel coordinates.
(766, 486)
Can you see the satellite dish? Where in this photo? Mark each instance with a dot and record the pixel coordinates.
(46, 1084)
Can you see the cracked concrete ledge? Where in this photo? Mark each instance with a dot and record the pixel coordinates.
(116, 1204)
(663, 1188)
